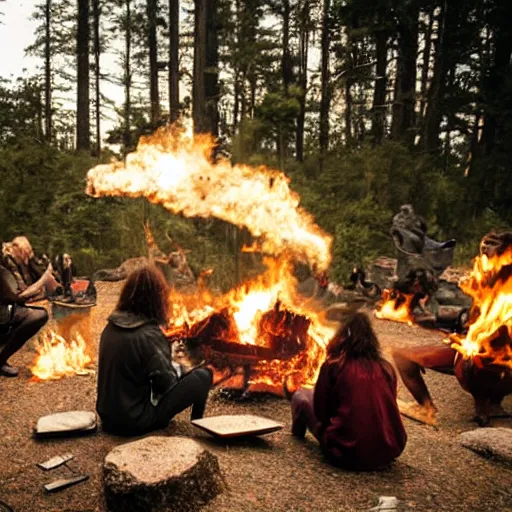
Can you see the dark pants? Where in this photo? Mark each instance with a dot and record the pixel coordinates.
(25, 323)
(303, 414)
(191, 390)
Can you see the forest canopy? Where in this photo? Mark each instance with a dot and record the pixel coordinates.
(365, 107)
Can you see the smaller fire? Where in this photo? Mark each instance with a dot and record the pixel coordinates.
(59, 358)
(395, 306)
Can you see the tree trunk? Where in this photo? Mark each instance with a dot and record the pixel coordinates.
(252, 94)
(286, 60)
(433, 115)
(211, 78)
(491, 136)
(303, 78)
(426, 64)
(379, 93)
(47, 73)
(236, 70)
(236, 100)
(152, 9)
(498, 74)
(96, 10)
(83, 141)
(127, 78)
(405, 98)
(198, 85)
(174, 77)
(348, 110)
(325, 99)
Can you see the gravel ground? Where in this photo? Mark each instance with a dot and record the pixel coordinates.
(275, 472)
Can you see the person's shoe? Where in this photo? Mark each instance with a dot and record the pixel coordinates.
(482, 420)
(9, 371)
(299, 429)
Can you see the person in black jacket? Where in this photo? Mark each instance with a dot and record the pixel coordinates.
(138, 388)
(18, 322)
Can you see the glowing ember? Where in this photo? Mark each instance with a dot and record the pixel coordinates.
(173, 169)
(489, 337)
(58, 358)
(395, 306)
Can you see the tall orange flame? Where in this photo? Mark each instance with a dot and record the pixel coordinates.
(175, 170)
(489, 336)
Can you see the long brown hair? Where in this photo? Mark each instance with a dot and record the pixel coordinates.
(146, 293)
(356, 339)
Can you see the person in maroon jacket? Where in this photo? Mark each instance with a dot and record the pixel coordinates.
(352, 410)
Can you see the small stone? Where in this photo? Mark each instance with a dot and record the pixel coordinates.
(160, 473)
(495, 443)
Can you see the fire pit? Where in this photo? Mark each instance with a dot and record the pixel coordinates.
(257, 338)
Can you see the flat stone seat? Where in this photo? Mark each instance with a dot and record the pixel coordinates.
(237, 425)
(495, 443)
(160, 473)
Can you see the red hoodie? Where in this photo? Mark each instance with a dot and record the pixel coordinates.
(355, 401)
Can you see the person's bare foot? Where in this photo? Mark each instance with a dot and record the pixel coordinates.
(426, 413)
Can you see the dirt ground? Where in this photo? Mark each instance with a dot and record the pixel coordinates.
(274, 472)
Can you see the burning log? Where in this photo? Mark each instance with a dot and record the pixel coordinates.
(282, 348)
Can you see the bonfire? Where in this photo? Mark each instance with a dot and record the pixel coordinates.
(260, 331)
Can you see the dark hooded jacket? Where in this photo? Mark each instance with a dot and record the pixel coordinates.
(134, 372)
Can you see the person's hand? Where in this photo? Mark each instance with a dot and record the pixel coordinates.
(48, 273)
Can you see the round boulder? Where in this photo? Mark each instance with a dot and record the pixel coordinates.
(160, 473)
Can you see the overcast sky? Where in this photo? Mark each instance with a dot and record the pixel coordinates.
(16, 33)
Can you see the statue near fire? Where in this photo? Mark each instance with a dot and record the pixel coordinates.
(414, 248)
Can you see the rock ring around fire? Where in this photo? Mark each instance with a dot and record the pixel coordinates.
(161, 473)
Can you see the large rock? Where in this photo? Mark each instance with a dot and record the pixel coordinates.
(490, 442)
(159, 474)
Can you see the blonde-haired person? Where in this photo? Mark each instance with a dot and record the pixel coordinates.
(19, 258)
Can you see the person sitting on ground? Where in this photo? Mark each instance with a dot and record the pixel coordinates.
(352, 410)
(138, 388)
(18, 322)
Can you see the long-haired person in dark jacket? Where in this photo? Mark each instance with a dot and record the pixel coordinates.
(352, 410)
(138, 388)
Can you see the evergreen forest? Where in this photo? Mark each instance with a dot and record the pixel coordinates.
(364, 105)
